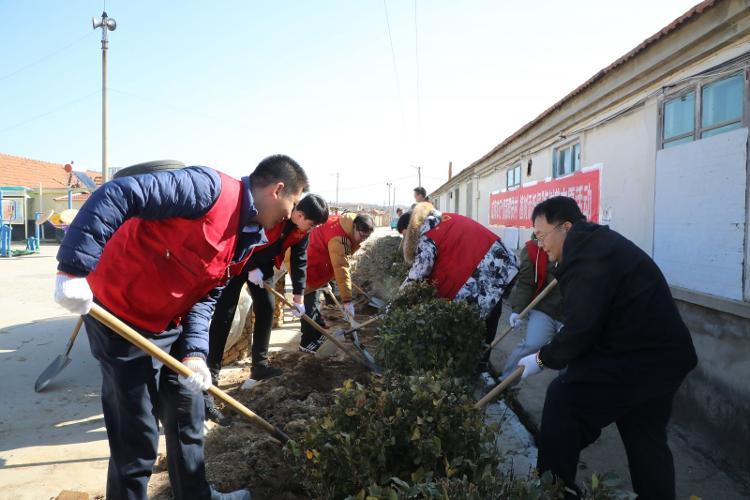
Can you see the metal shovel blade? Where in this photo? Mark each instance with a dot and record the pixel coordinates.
(49, 373)
(377, 303)
(60, 362)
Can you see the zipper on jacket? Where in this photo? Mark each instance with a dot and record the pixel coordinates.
(169, 256)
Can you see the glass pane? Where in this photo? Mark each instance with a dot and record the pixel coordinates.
(678, 141)
(509, 177)
(576, 157)
(721, 130)
(518, 174)
(566, 160)
(722, 101)
(678, 115)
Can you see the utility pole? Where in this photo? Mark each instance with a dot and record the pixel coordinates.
(106, 24)
(337, 190)
(389, 184)
(419, 174)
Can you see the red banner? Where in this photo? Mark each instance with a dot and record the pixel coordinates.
(513, 208)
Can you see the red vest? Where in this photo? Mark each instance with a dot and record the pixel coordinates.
(539, 259)
(295, 236)
(461, 244)
(151, 272)
(319, 267)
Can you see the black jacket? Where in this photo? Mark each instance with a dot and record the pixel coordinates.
(621, 323)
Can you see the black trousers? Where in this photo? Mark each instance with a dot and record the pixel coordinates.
(221, 323)
(576, 412)
(137, 392)
(312, 309)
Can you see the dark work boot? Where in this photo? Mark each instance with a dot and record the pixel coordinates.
(262, 372)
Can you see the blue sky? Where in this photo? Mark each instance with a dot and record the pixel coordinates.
(226, 83)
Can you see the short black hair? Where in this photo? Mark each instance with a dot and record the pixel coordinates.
(314, 207)
(399, 211)
(420, 190)
(280, 168)
(403, 222)
(557, 210)
(364, 223)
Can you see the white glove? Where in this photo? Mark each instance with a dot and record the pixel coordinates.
(514, 320)
(349, 309)
(200, 380)
(73, 293)
(255, 277)
(530, 366)
(299, 307)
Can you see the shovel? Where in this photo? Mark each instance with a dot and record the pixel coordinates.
(326, 334)
(59, 362)
(375, 302)
(116, 325)
(523, 313)
(353, 330)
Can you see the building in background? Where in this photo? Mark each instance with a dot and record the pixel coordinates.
(656, 146)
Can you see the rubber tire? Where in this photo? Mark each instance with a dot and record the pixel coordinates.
(149, 167)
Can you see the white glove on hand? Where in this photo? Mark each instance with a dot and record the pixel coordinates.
(530, 366)
(514, 320)
(200, 380)
(73, 293)
(299, 307)
(255, 277)
(349, 309)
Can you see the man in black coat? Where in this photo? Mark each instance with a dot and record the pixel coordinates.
(624, 344)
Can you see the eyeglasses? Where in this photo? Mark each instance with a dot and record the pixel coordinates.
(540, 238)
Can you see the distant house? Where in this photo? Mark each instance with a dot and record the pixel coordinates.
(29, 186)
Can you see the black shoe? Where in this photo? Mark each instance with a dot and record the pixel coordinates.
(313, 346)
(214, 415)
(262, 372)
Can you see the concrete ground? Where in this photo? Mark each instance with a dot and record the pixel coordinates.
(54, 440)
(696, 474)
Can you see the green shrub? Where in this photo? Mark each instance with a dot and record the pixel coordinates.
(436, 334)
(412, 295)
(490, 485)
(416, 428)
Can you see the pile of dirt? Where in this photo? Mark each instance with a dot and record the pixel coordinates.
(379, 267)
(241, 456)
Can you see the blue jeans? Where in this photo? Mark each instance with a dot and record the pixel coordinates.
(539, 331)
(136, 394)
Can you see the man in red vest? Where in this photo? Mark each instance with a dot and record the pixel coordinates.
(155, 250)
(464, 259)
(331, 246)
(292, 235)
(546, 318)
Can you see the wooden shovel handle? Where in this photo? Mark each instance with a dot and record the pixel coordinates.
(315, 325)
(499, 388)
(138, 340)
(525, 311)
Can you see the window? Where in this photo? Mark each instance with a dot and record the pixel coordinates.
(455, 200)
(719, 109)
(679, 120)
(566, 159)
(513, 176)
(722, 106)
(436, 203)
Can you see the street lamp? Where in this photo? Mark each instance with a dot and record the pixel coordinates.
(106, 24)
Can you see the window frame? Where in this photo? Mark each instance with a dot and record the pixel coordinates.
(515, 169)
(571, 144)
(697, 88)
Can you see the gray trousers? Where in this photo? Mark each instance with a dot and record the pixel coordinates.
(539, 331)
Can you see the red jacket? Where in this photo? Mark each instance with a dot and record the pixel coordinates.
(152, 272)
(540, 260)
(319, 267)
(461, 245)
(273, 235)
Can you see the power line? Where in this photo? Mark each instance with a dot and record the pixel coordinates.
(44, 58)
(55, 110)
